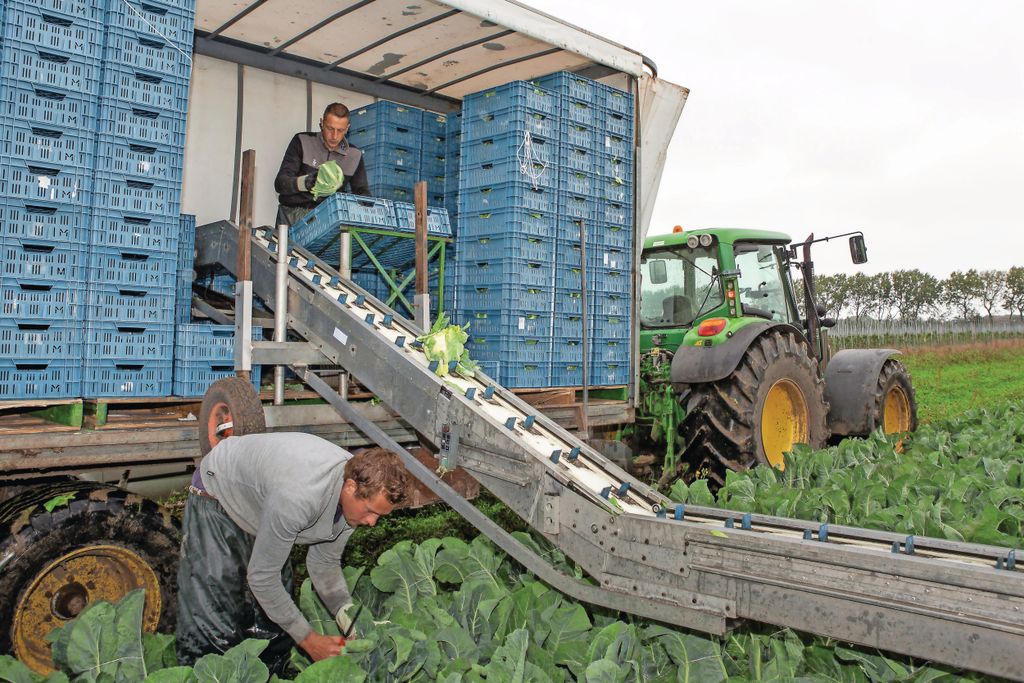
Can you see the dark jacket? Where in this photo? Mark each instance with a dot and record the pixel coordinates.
(304, 155)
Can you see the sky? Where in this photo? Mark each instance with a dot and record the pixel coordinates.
(903, 119)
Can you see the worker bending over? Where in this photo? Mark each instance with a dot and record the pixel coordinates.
(252, 499)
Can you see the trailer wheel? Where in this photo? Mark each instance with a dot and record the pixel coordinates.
(99, 545)
(895, 405)
(231, 407)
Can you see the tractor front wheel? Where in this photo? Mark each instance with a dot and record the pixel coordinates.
(771, 402)
(895, 405)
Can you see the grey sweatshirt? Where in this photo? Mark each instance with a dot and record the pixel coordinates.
(284, 489)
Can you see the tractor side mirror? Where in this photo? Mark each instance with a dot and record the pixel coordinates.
(858, 251)
(658, 271)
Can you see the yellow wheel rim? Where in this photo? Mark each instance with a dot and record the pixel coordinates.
(62, 590)
(896, 411)
(784, 421)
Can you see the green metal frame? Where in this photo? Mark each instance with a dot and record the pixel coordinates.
(435, 252)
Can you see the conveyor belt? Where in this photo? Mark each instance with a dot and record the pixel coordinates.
(704, 568)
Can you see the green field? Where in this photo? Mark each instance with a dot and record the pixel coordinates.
(950, 381)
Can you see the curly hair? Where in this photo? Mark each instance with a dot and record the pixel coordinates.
(378, 470)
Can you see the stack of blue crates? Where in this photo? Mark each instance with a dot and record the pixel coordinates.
(391, 138)
(133, 250)
(595, 195)
(203, 354)
(508, 185)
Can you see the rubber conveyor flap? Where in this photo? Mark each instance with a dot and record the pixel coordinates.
(704, 568)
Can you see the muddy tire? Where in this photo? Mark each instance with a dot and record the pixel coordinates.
(229, 401)
(772, 401)
(895, 404)
(101, 545)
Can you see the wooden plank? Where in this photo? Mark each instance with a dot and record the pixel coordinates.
(36, 403)
(420, 198)
(245, 224)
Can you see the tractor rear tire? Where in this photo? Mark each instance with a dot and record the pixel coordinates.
(773, 400)
(229, 401)
(100, 545)
(895, 404)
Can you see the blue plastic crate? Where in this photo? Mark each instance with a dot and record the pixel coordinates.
(139, 160)
(146, 51)
(617, 213)
(49, 222)
(567, 83)
(387, 113)
(390, 174)
(435, 124)
(615, 190)
(120, 230)
(156, 20)
(207, 342)
(608, 350)
(30, 378)
(568, 254)
(433, 166)
(366, 136)
(567, 348)
(610, 327)
(125, 193)
(519, 297)
(108, 377)
(530, 248)
(611, 235)
(600, 257)
(193, 378)
(507, 147)
(566, 373)
(616, 145)
(504, 348)
(69, 185)
(186, 240)
(598, 279)
(31, 259)
(578, 183)
(515, 220)
(129, 303)
(581, 136)
(35, 143)
(618, 101)
(617, 123)
(183, 298)
(88, 10)
(42, 300)
(129, 124)
(437, 219)
(608, 303)
(567, 324)
(616, 168)
(137, 341)
(505, 322)
(577, 205)
(572, 158)
(39, 338)
(609, 373)
(48, 107)
(514, 94)
(133, 268)
(145, 90)
(581, 111)
(28, 65)
(48, 30)
(386, 155)
(508, 195)
(320, 226)
(500, 270)
(475, 175)
(516, 120)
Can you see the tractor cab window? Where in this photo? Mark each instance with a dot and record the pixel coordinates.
(761, 285)
(677, 286)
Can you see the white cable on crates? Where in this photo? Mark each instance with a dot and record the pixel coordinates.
(155, 30)
(528, 162)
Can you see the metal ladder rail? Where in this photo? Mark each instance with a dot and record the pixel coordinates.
(688, 571)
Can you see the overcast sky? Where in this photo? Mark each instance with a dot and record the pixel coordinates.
(901, 119)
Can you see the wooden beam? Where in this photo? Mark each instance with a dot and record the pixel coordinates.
(245, 221)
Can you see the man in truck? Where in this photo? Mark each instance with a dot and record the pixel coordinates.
(252, 499)
(303, 158)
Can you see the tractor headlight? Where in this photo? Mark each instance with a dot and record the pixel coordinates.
(692, 241)
(705, 240)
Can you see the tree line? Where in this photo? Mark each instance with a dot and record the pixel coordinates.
(909, 295)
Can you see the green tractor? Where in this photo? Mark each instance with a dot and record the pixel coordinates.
(736, 366)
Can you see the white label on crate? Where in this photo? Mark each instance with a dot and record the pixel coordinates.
(340, 336)
(522, 323)
(44, 181)
(607, 141)
(606, 258)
